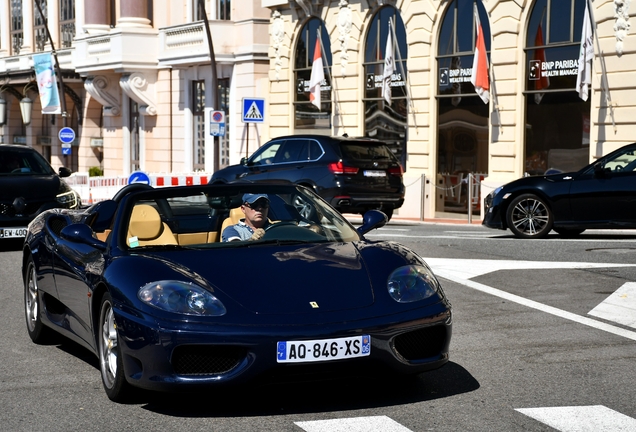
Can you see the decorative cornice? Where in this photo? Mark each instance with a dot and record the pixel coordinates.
(98, 87)
(137, 87)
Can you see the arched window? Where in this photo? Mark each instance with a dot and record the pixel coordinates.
(462, 122)
(308, 115)
(557, 120)
(386, 121)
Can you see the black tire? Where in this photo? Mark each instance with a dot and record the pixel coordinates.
(569, 232)
(38, 332)
(529, 217)
(110, 358)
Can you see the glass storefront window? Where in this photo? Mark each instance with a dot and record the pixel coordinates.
(557, 132)
(307, 115)
(385, 121)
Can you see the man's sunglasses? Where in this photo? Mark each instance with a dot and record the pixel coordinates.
(258, 204)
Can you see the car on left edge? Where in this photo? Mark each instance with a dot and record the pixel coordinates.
(29, 186)
(145, 283)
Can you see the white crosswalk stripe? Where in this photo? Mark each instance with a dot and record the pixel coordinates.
(593, 418)
(354, 424)
(620, 307)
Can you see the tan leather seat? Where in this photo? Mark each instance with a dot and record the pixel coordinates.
(147, 226)
(236, 214)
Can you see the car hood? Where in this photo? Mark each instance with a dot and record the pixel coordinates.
(535, 180)
(285, 279)
(31, 187)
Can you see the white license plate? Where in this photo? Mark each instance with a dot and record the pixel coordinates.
(374, 173)
(323, 349)
(13, 232)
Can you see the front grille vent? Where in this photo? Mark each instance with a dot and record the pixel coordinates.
(205, 359)
(422, 343)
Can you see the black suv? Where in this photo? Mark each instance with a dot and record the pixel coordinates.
(28, 186)
(352, 174)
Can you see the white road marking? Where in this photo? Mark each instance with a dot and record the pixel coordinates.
(490, 237)
(582, 418)
(354, 424)
(461, 270)
(619, 307)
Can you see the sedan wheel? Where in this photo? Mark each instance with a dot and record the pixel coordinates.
(528, 216)
(110, 361)
(38, 332)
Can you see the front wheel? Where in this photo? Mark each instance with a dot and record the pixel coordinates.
(110, 358)
(38, 332)
(528, 216)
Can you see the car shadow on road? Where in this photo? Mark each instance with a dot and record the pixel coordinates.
(9, 245)
(316, 396)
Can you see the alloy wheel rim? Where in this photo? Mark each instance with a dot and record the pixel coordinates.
(109, 346)
(31, 299)
(530, 216)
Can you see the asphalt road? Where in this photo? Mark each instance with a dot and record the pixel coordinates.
(544, 334)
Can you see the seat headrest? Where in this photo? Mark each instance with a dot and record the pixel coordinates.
(145, 222)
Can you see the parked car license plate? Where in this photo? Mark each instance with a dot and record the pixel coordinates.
(323, 349)
(13, 232)
(374, 173)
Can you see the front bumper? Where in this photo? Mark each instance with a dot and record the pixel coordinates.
(168, 356)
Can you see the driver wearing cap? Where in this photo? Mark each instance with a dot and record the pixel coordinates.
(252, 227)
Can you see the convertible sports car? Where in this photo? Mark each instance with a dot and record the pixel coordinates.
(602, 195)
(145, 283)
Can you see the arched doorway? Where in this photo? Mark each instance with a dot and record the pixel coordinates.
(462, 116)
(557, 127)
(386, 118)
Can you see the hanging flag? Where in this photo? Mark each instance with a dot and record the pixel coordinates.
(479, 76)
(540, 81)
(389, 68)
(47, 83)
(586, 56)
(317, 75)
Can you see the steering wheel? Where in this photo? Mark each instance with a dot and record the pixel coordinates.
(280, 224)
(17, 170)
(618, 168)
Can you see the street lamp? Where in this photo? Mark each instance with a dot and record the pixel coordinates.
(3, 112)
(26, 108)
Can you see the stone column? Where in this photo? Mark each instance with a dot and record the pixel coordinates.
(133, 13)
(27, 26)
(5, 28)
(95, 16)
(53, 22)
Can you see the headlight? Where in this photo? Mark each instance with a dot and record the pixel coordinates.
(68, 199)
(181, 297)
(412, 283)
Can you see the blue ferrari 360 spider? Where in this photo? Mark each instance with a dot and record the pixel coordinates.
(147, 283)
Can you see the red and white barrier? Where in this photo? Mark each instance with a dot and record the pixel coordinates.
(96, 189)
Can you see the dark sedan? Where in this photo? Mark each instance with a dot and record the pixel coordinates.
(354, 175)
(602, 195)
(144, 282)
(28, 186)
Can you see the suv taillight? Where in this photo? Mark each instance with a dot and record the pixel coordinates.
(339, 168)
(396, 171)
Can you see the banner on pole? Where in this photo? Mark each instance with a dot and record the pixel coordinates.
(47, 83)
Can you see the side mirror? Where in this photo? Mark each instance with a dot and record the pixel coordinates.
(64, 172)
(80, 233)
(243, 161)
(372, 219)
(599, 170)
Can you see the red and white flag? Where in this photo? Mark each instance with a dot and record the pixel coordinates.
(389, 68)
(542, 81)
(479, 76)
(317, 76)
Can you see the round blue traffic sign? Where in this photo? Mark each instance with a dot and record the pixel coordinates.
(66, 135)
(139, 177)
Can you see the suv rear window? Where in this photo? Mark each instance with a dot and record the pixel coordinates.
(365, 151)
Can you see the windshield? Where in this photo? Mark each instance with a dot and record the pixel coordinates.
(17, 161)
(221, 216)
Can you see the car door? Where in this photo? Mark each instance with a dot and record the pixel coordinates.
(606, 192)
(289, 161)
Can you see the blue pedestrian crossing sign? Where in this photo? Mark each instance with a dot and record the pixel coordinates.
(139, 177)
(253, 110)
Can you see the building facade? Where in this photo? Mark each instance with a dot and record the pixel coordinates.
(137, 77)
(140, 88)
(435, 122)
